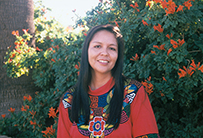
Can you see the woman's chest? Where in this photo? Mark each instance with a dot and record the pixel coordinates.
(95, 130)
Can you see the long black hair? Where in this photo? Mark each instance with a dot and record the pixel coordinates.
(80, 102)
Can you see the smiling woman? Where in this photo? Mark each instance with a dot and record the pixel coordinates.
(102, 56)
(104, 103)
(63, 10)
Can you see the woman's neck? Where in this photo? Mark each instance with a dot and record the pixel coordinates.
(99, 80)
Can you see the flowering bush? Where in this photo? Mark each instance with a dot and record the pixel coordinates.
(164, 49)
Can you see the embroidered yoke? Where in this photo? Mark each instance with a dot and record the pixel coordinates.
(137, 118)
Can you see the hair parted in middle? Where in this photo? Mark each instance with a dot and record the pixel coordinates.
(80, 102)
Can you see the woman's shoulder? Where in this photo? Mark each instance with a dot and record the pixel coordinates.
(67, 97)
(131, 87)
(132, 82)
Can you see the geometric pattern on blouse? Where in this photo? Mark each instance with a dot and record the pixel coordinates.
(97, 127)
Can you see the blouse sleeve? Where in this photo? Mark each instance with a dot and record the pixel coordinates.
(142, 116)
(64, 123)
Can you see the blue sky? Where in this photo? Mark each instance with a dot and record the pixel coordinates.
(62, 9)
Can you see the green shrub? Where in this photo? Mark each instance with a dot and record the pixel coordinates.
(163, 50)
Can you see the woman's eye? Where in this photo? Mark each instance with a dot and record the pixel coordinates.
(111, 48)
(97, 46)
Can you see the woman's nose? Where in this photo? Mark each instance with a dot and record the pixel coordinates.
(104, 51)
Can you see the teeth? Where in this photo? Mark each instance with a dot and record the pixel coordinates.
(103, 61)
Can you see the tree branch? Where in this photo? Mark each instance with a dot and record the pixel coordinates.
(199, 91)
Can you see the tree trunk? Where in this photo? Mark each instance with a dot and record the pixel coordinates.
(14, 15)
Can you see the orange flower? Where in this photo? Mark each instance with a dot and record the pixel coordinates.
(148, 3)
(201, 68)
(134, 6)
(164, 78)
(169, 6)
(23, 109)
(157, 1)
(145, 23)
(45, 132)
(168, 36)
(32, 113)
(15, 33)
(190, 72)
(52, 112)
(13, 55)
(25, 31)
(50, 49)
(194, 65)
(49, 131)
(153, 52)
(156, 46)
(3, 116)
(184, 72)
(169, 51)
(57, 47)
(164, 4)
(112, 9)
(33, 123)
(181, 42)
(19, 51)
(162, 94)
(116, 24)
(148, 86)
(158, 28)
(187, 4)
(77, 66)
(37, 49)
(175, 44)
(29, 98)
(149, 79)
(180, 8)
(27, 106)
(11, 110)
(135, 58)
(161, 47)
(53, 60)
(10, 61)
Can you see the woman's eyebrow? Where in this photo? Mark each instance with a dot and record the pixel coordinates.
(101, 43)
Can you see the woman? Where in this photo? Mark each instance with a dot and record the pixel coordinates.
(103, 103)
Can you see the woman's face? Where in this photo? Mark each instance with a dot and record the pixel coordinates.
(103, 52)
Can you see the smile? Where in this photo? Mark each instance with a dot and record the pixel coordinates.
(103, 61)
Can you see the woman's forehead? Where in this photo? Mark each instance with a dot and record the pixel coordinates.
(104, 36)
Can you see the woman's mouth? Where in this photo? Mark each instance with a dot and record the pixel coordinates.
(103, 61)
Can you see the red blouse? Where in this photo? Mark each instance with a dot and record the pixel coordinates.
(137, 119)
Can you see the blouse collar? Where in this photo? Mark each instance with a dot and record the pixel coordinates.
(103, 89)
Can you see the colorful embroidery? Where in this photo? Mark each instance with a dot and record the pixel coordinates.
(94, 101)
(97, 126)
(150, 136)
(67, 100)
(98, 111)
(66, 104)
